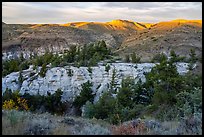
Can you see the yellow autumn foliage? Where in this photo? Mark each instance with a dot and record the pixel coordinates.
(9, 104)
(20, 104)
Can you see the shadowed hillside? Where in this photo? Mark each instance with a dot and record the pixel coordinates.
(122, 36)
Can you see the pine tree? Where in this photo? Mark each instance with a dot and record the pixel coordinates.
(192, 55)
(107, 67)
(105, 106)
(112, 84)
(127, 58)
(174, 57)
(20, 78)
(159, 57)
(165, 81)
(125, 94)
(21, 57)
(134, 59)
(85, 95)
(43, 70)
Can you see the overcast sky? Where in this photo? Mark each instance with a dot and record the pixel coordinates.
(63, 12)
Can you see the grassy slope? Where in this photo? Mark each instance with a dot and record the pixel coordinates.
(26, 123)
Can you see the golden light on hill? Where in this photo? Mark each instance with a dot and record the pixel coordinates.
(187, 21)
(123, 25)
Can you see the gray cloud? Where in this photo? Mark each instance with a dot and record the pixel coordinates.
(150, 5)
(63, 12)
(133, 5)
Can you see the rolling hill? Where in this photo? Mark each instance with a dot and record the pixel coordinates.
(122, 36)
(179, 35)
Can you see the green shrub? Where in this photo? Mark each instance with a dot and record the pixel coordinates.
(85, 95)
(163, 97)
(165, 82)
(7, 95)
(191, 81)
(135, 59)
(70, 73)
(24, 65)
(87, 55)
(127, 58)
(89, 110)
(51, 103)
(192, 55)
(107, 67)
(190, 102)
(20, 78)
(13, 117)
(10, 66)
(151, 108)
(125, 94)
(175, 58)
(159, 57)
(21, 57)
(43, 70)
(112, 83)
(38, 61)
(56, 61)
(105, 106)
(167, 113)
(89, 69)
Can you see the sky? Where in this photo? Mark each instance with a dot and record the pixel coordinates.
(64, 12)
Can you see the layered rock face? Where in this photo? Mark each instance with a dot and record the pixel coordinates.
(70, 83)
(41, 42)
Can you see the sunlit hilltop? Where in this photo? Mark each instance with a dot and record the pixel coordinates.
(119, 24)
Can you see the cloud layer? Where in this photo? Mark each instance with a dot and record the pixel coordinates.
(63, 12)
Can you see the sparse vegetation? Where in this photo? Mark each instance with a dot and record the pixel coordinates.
(88, 55)
(135, 59)
(43, 70)
(107, 67)
(127, 58)
(159, 57)
(70, 72)
(112, 84)
(89, 69)
(192, 60)
(20, 78)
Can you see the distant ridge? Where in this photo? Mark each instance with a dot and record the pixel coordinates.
(117, 24)
(122, 36)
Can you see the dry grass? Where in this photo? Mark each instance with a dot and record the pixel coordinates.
(13, 124)
(26, 123)
(21, 123)
(61, 129)
(129, 129)
(170, 124)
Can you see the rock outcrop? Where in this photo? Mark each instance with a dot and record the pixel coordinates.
(59, 78)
